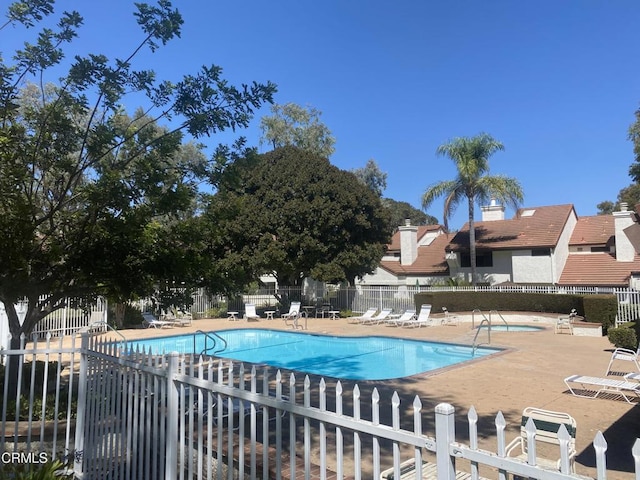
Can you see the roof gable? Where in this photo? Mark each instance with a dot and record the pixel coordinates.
(530, 228)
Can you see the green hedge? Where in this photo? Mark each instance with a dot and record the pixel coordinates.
(594, 308)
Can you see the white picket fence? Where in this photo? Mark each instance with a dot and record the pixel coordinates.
(140, 416)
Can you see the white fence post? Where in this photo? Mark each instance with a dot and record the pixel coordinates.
(78, 465)
(445, 436)
(173, 413)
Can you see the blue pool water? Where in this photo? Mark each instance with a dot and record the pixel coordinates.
(353, 358)
(515, 328)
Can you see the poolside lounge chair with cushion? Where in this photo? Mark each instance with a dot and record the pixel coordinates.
(449, 319)
(291, 317)
(368, 314)
(429, 472)
(150, 321)
(250, 312)
(591, 387)
(406, 316)
(547, 424)
(423, 318)
(624, 354)
(384, 313)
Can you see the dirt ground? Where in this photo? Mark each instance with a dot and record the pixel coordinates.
(530, 373)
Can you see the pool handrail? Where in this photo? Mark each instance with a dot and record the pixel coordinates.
(212, 336)
(486, 321)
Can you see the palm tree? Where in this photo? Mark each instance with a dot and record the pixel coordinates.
(471, 156)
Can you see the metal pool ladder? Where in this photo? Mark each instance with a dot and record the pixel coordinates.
(210, 336)
(485, 321)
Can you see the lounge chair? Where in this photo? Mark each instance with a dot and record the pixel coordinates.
(406, 316)
(150, 321)
(591, 387)
(423, 318)
(381, 317)
(250, 312)
(366, 315)
(449, 319)
(291, 317)
(429, 472)
(547, 425)
(624, 354)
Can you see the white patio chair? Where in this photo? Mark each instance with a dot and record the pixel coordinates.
(380, 318)
(422, 320)
(406, 316)
(625, 355)
(547, 424)
(368, 314)
(250, 312)
(291, 317)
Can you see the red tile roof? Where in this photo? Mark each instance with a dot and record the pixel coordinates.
(430, 260)
(542, 228)
(599, 269)
(594, 230)
(422, 231)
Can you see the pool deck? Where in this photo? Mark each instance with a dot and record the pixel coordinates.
(530, 373)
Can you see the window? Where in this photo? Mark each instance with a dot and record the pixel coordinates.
(599, 249)
(540, 252)
(483, 259)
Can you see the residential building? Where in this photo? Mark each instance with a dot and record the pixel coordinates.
(539, 245)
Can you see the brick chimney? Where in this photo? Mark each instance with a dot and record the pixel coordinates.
(408, 243)
(492, 212)
(625, 252)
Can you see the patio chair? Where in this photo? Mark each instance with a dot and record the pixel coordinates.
(565, 322)
(291, 317)
(368, 314)
(422, 320)
(150, 321)
(592, 387)
(547, 425)
(380, 318)
(250, 312)
(449, 319)
(429, 472)
(406, 316)
(626, 355)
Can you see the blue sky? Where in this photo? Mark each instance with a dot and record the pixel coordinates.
(556, 81)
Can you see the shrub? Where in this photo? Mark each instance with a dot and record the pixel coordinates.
(601, 308)
(623, 337)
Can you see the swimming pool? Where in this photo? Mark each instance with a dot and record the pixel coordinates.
(352, 358)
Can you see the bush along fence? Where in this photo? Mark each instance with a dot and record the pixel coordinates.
(138, 415)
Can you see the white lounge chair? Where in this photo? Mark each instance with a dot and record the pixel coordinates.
(591, 387)
(366, 315)
(291, 317)
(384, 313)
(423, 318)
(150, 321)
(250, 312)
(406, 316)
(547, 425)
(626, 355)
(429, 472)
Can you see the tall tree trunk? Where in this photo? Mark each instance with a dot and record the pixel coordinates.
(472, 241)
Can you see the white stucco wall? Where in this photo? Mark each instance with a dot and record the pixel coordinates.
(560, 253)
(528, 269)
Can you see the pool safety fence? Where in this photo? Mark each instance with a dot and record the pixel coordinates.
(132, 415)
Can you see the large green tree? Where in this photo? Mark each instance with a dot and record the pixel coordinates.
(372, 176)
(401, 211)
(472, 183)
(92, 200)
(291, 213)
(291, 124)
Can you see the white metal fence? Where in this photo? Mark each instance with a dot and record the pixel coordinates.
(140, 416)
